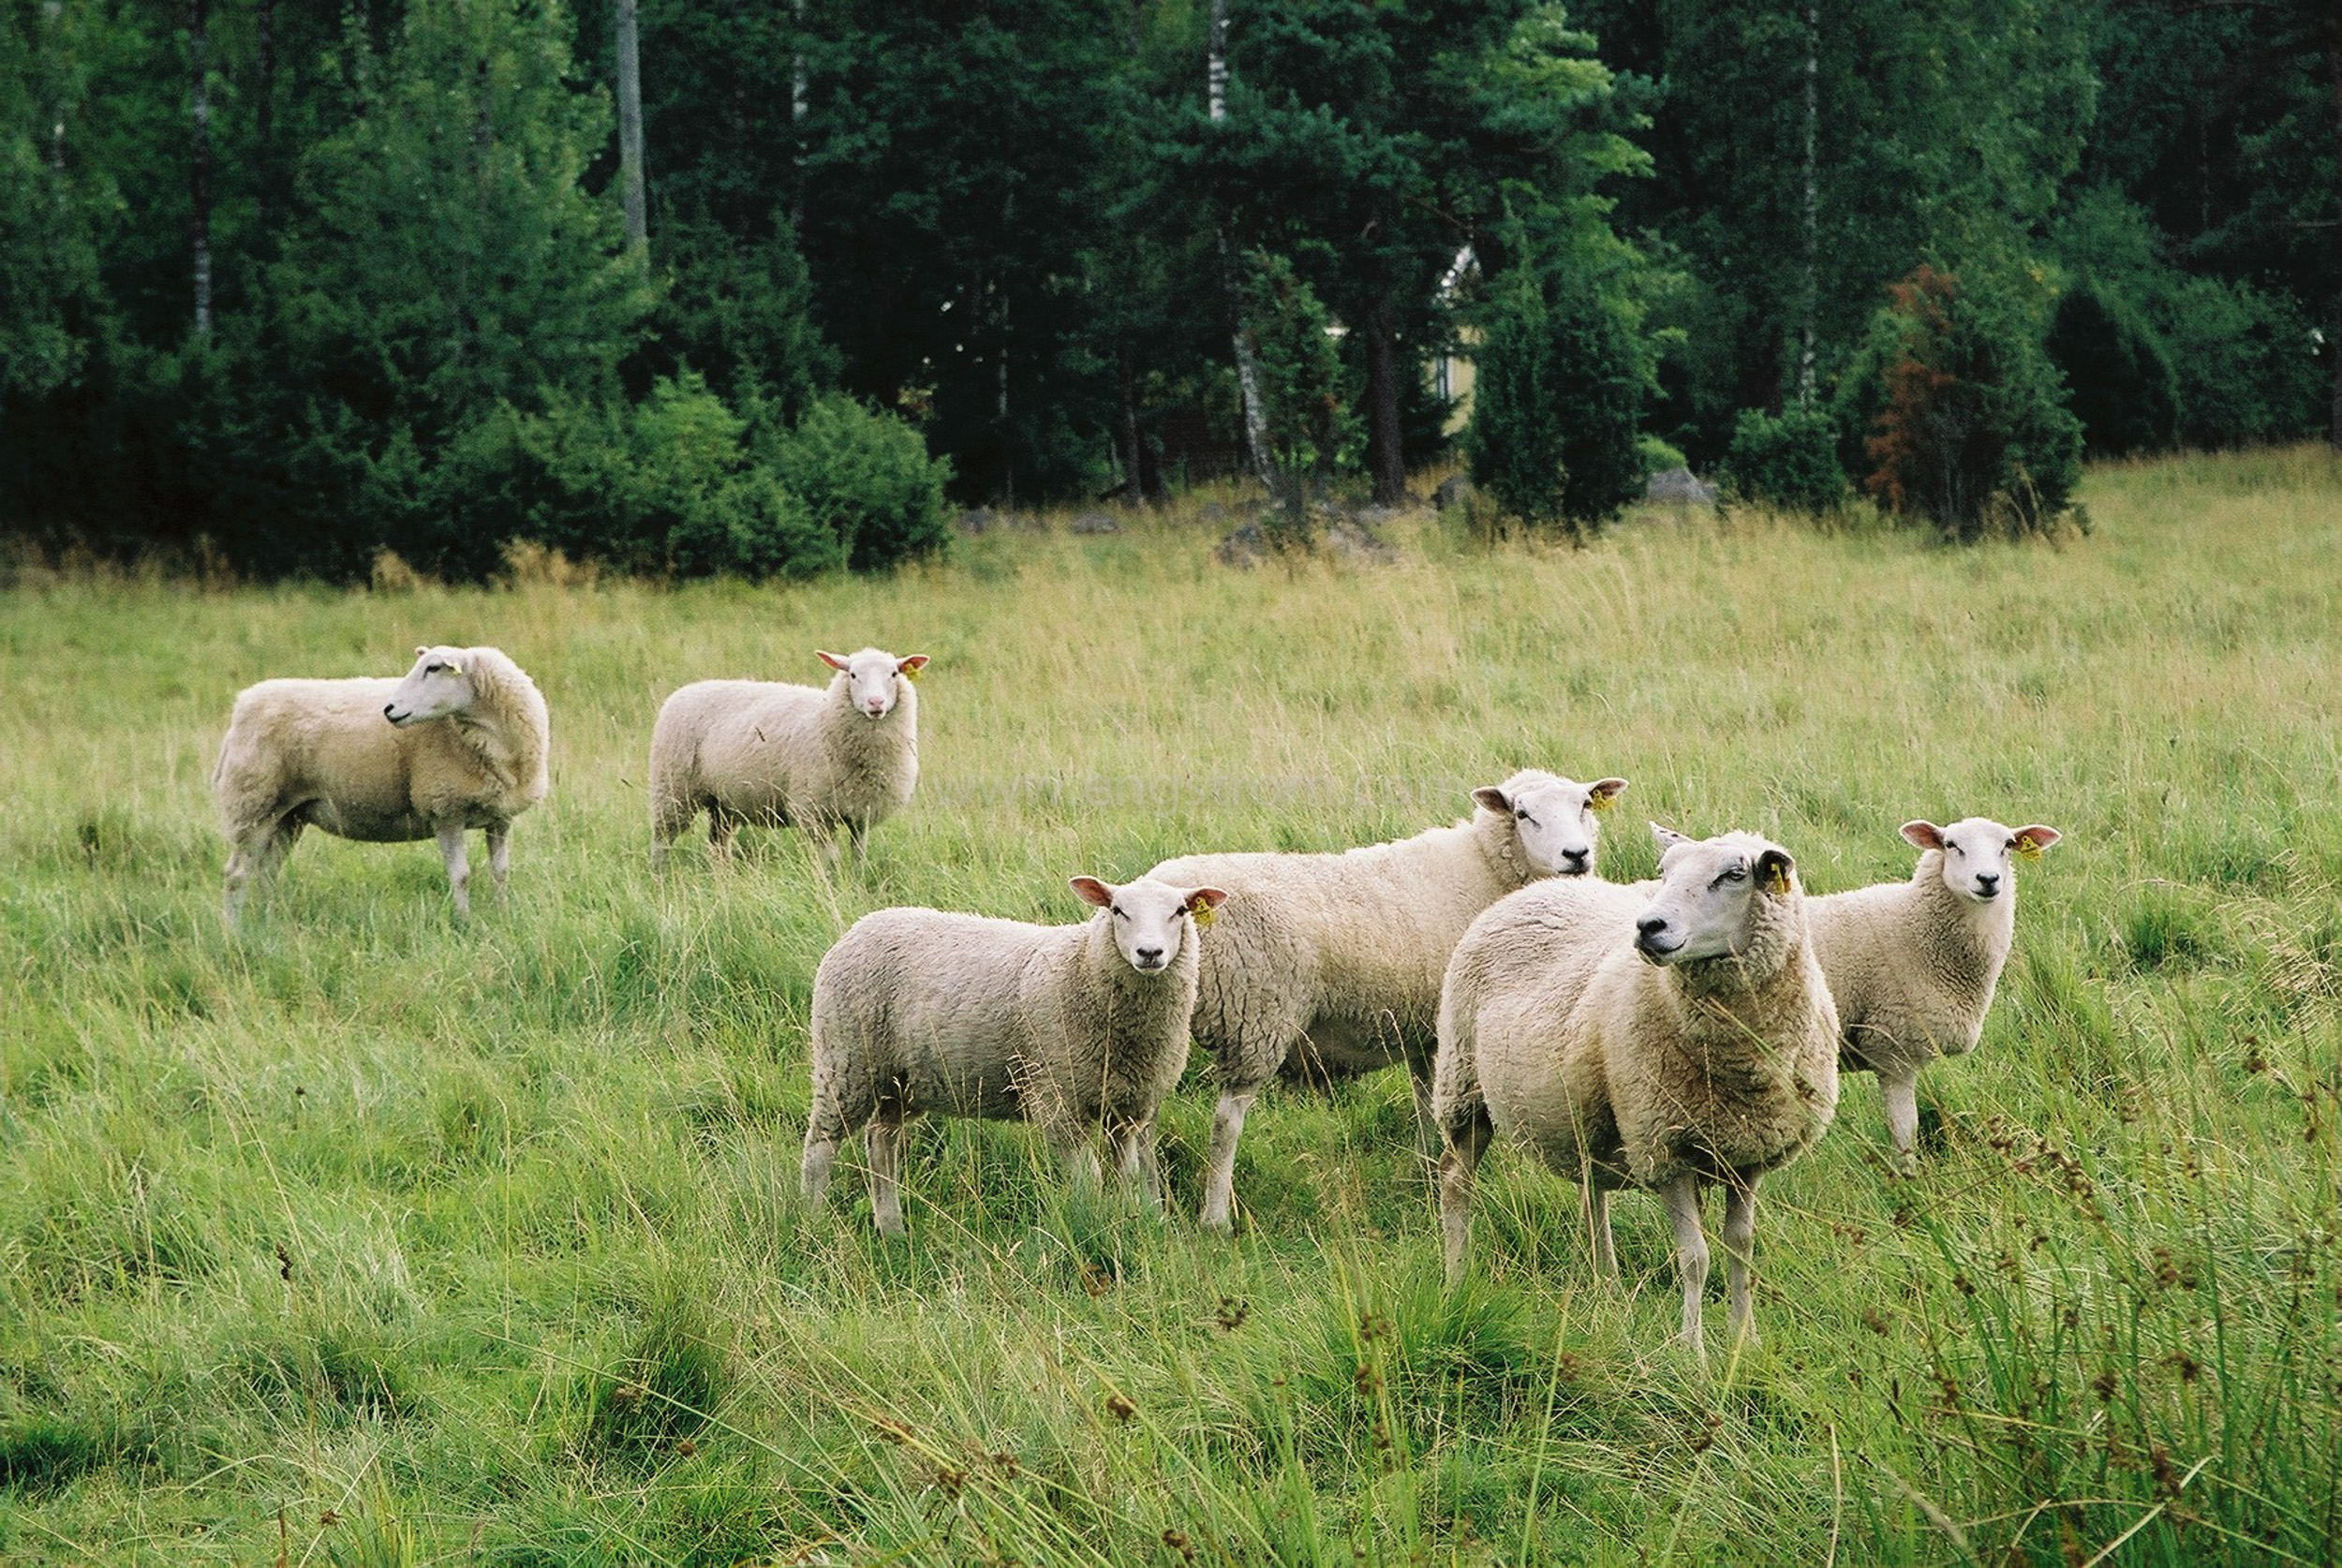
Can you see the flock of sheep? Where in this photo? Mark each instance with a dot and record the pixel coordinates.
(1670, 1035)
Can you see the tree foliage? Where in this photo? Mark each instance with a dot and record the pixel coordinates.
(1967, 427)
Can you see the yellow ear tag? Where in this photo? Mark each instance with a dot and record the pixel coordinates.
(1776, 880)
(2028, 849)
(1601, 803)
(1204, 915)
(910, 672)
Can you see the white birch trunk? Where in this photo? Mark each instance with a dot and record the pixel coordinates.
(1247, 367)
(630, 132)
(1813, 234)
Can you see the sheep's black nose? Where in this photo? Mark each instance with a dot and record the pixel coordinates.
(1577, 859)
(1150, 955)
(387, 708)
(1987, 881)
(1650, 925)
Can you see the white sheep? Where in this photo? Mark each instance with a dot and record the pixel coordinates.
(1913, 963)
(821, 759)
(1329, 965)
(459, 743)
(1662, 1037)
(1076, 1029)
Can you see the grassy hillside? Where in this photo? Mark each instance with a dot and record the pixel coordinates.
(373, 1238)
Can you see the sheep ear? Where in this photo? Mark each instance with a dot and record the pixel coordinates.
(909, 668)
(1923, 836)
(2032, 840)
(1092, 891)
(1603, 792)
(1204, 904)
(831, 659)
(1667, 836)
(421, 650)
(1773, 871)
(1488, 797)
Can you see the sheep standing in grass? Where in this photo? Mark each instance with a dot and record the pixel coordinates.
(1329, 965)
(1913, 963)
(1078, 1030)
(460, 743)
(826, 759)
(1667, 1038)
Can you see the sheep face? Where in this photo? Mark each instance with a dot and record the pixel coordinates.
(435, 687)
(874, 678)
(1151, 918)
(1977, 854)
(1553, 816)
(1710, 899)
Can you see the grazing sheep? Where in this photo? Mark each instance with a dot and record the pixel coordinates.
(460, 743)
(1074, 1028)
(1662, 1036)
(821, 759)
(1329, 965)
(1913, 963)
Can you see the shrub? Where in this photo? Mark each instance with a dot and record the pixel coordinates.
(866, 478)
(1556, 404)
(1964, 417)
(2121, 381)
(1307, 418)
(1788, 461)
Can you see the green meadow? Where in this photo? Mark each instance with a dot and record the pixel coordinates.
(371, 1237)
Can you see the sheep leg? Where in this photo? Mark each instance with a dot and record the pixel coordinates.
(670, 818)
(1681, 1196)
(1134, 1160)
(883, 1143)
(721, 825)
(1901, 1093)
(499, 854)
(253, 859)
(1740, 1250)
(1427, 1141)
(1078, 1154)
(1228, 1126)
(1598, 1232)
(458, 867)
(821, 1133)
(1458, 1165)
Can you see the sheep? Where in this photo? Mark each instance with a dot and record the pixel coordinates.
(820, 759)
(1913, 963)
(1074, 1028)
(1665, 1037)
(460, 743)
(1329, 965)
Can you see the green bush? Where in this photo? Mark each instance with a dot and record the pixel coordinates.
(1557, 404)
(665, 486)
(1310, 425)
(867, 479)
(1788, 461)
(1961, 416)
(2122, 387)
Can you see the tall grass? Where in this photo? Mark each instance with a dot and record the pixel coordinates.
(372, 1238)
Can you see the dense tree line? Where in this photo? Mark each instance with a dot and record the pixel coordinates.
(308, 282)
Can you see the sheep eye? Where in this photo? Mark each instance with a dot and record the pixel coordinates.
(1955, 848)
(1526, 818)
(1737, 874)
(433, 669)
(1118, 914)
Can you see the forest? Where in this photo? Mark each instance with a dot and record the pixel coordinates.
(283, 287)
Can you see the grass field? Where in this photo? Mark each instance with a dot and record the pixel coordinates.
(373, 1238)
